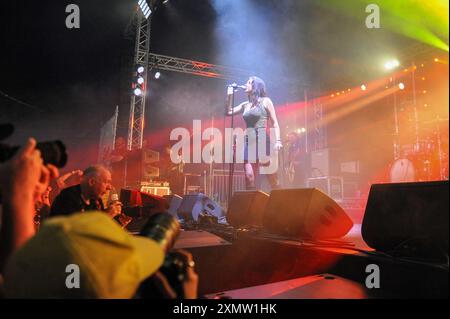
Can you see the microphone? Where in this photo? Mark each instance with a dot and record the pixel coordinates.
(236, 86)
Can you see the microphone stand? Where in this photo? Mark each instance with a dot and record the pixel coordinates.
(233, 154)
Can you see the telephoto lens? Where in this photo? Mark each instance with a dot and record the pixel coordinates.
(164, 229)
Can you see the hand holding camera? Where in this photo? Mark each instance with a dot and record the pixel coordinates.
(176, 278)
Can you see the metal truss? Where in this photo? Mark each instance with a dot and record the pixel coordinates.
(167, 63)
(137, 107)
(319, 129)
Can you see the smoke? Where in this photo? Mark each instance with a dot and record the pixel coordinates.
(249, 37)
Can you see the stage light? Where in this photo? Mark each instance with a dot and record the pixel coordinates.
(436, 60)
(140, 80)
(363, 87)
(140, 69)
(138, 92)
(157, 75)
(391, 65)
(145, 8)
(401, 86)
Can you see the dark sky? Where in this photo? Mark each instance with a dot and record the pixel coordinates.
(71, 80)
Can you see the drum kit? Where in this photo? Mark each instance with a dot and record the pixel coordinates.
(425, 159)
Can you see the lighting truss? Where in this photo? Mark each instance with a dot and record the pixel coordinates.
(167, 63)
(137, 107)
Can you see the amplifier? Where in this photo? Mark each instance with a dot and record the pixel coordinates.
(156, 190)
(333, 186)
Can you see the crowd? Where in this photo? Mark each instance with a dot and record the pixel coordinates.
(59, 238)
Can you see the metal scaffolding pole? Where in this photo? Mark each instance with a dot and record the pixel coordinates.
(137, 107)
(320, 131)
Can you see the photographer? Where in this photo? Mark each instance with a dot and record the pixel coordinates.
(23, 179)
(111, 262)
(87, 195)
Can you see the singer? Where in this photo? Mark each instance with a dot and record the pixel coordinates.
(257, 112)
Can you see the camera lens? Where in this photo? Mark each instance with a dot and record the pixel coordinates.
(162, 228)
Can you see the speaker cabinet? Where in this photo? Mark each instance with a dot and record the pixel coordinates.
(403, 215)
(247, 208)
(195, 204)
(174, 202)
(305, 213)
(150, 156)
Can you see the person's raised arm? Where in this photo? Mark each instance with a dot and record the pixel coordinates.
(229, 106)
(22, 180)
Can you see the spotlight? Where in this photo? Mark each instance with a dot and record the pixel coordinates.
(140, 80)
(145, 8)
(138, 92)
(363, 87)
(140, 69)
(157, 75)
(401, 86)
(391, 65)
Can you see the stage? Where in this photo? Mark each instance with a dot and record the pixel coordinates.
(254, 266)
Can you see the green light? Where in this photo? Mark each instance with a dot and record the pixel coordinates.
(424, 21)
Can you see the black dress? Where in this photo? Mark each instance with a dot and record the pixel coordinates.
(256, 133)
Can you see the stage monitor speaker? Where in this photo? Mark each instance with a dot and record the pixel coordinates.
(149, 172)
(403, 215)
(305, 213)
(174, 202)
(247, 208)
(140, 206)
(130, 197)
(195, 204)
(150, 156)
(158, 204)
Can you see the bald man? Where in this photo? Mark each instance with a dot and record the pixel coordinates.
(85, 196)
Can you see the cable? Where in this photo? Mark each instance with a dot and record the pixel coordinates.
(36, 108)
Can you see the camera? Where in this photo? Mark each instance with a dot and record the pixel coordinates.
(52, 152)
(164, 229)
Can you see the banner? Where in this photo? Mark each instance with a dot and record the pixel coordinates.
(108, 138)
